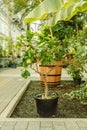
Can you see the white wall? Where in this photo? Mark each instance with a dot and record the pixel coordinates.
(3, 25)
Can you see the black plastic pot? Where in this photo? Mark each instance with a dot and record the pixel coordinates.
(14, 65)
(77, 81)
(46, 107)
(1, 66)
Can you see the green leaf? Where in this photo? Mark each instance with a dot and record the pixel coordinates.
(25, 73)
(67, 13)
(29, 35)
(60, 10)
(42, 10)
(47, 7)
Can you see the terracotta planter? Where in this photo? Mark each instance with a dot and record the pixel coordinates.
(54, 77)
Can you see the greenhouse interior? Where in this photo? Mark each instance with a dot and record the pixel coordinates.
(43, 64)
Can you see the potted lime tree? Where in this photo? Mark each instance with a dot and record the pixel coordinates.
(44, 51)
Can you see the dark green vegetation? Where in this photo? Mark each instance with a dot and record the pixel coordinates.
(67, 107)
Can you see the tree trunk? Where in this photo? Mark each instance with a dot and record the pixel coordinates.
(46, 86)
(9, 29)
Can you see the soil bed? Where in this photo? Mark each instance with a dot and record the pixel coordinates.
(67, 108)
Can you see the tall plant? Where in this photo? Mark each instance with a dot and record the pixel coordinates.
(8, 5)
(40, 50)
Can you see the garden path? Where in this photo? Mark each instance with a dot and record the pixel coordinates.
(43, 124)
(12, 85)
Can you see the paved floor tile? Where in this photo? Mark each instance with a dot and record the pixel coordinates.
(21, 125)
(34, 125)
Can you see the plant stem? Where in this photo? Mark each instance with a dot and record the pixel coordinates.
(51, 32)
(46, 87)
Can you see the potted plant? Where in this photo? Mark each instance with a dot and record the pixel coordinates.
(75, 72)
(76, 66)
(53, 55)
(44, 51)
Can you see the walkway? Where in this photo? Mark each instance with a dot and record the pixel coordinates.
(43, 124)
(12, 87)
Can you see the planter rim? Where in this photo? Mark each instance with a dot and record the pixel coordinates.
(39, 95)
(50, 65)
(77, 78)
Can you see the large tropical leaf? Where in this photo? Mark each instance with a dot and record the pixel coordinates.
(46, 7)
(67, 13)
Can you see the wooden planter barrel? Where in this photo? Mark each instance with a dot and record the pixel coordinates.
(54, 77)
